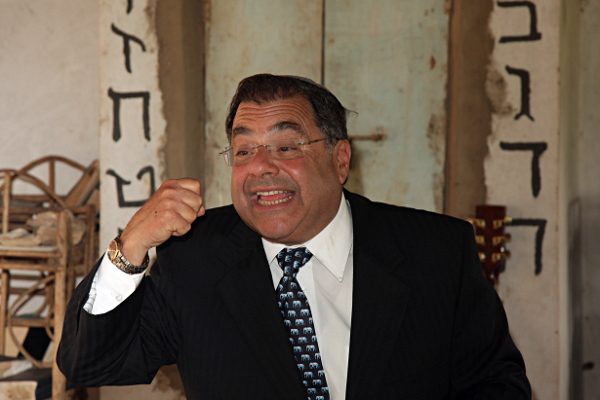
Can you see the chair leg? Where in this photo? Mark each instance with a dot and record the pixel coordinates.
(3, 308)
(59, 382)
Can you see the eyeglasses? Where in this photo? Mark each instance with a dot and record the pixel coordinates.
(284, 149)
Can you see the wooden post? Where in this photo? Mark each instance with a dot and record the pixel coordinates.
(51, 176)
(59, 381)
(6, 202)
(3, 309)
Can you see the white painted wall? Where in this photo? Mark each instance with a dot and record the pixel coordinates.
(48, 82)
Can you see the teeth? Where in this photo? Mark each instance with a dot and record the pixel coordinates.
(264, 202)
(272, 192)
(272, 203)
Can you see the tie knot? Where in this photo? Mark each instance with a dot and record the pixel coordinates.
(290, 260)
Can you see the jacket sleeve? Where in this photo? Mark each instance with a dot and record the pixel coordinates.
(121, 347)
(486, 363)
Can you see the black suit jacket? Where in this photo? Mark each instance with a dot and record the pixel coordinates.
(425, 323)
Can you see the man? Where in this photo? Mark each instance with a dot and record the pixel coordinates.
(395, 296)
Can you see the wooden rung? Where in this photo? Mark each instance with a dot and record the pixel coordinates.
(23, 277)
(30, 267)
(31, 322)
(23, 290)
(34, 253)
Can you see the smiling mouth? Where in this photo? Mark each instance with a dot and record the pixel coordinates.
(273, 197)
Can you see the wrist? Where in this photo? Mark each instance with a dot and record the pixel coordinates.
(119, 260)
(132, 251)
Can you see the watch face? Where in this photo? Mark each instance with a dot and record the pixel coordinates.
(113, 250)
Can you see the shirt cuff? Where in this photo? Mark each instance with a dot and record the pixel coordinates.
(110, 287)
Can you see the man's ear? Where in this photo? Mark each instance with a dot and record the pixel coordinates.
(342, 154)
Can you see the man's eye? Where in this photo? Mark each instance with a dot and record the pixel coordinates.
(287, 148)
(242, 153)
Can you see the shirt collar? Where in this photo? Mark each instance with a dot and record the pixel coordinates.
(331, 246)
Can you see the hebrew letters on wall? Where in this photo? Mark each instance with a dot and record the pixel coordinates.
(521, 172)
(132, 130)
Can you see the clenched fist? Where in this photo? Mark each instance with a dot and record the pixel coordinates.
(169, 212)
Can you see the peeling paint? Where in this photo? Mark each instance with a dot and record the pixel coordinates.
(447, 7)
(396, 81)
(496, 89)
(161, 155)
(436, 135)
(150, 13)
(207, 13)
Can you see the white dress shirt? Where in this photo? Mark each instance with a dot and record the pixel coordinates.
(326, 280)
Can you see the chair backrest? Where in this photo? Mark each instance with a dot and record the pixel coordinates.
(79, 193)
(10, 200)
(83, 189)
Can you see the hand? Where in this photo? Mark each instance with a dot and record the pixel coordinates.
(169, 212)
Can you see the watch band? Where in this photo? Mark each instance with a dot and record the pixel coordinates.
(118, 259)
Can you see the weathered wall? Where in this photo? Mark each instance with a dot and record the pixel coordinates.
(246, 38)
(469, 109)
(49, 81)
(180, 31)
(388, 62)
(588, 148)
(570, 287)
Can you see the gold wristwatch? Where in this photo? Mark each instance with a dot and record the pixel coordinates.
(118, 259)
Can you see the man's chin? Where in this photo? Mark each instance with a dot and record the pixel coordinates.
(274, 236)
(277, 234)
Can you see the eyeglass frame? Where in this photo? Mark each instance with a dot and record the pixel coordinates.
(227, 152)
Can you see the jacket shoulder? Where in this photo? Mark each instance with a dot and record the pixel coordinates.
(407, 214)
(410, 224)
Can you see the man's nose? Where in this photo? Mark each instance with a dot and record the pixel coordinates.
(262, 163)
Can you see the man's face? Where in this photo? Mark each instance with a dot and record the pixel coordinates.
(286, 201)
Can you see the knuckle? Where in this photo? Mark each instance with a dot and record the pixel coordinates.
(168, 183)
(169, 194)
(169, 214)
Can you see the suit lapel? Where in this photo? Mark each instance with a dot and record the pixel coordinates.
(378, 300)
(247, 291)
